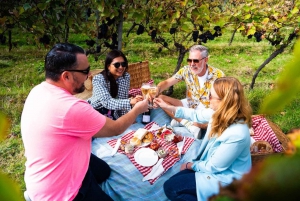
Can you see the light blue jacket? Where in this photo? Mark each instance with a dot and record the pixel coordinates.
(219, 159)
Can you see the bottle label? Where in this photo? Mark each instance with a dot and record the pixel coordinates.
(146, 118)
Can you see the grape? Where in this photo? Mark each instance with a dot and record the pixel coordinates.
(159, 49)
(2, 39)
(45, 39)
(195, 35)
(153, 34)
(209, 35)
(201, 28)
(172, 30)
(217, 28)
(110, 21)
(114, 38)
(140, 30)
(106, 44)
(292, 36)
(98, 49)
(258, 35)
(249, 36)
(165, 44)
(88, 12)
(103, 31)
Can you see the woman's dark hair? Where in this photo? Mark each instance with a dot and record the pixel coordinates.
(61, 57)
(108, 76)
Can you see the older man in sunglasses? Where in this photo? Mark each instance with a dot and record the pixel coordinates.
(57, 130)
(199, 77)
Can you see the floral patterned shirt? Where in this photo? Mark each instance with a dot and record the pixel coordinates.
(195, 93)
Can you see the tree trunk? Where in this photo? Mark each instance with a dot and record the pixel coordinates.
(182, 51)
(120, 30)
(272, 56)
(9, 40)
(232, 37)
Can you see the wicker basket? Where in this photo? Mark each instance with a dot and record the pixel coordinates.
(283, 139)
(139, 73)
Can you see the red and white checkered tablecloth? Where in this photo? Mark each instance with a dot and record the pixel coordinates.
(137, 91)
(263, 131)
(168, 161)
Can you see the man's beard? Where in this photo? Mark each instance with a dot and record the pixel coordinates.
(79, 89)
(196, 72)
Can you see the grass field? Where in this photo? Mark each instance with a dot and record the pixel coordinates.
(22, 68)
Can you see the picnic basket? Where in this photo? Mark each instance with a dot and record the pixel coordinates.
(139, 73)
(283, 139)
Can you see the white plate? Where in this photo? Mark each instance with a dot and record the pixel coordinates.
(145, 157)
(144, 144)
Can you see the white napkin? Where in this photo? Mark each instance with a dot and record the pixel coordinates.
(157, 170)
(180, 146)
(154, 127)
(114, 151)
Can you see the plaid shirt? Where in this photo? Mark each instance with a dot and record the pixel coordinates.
(101, 97)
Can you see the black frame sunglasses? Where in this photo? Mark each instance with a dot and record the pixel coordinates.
(195, 60)
(118, 64)
(86, 71)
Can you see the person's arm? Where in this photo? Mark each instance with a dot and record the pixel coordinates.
(112, 128)
(163, 85)
(224, 155)
(200, 116)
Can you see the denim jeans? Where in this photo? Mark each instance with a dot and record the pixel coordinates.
(90, 190)
(181, 186)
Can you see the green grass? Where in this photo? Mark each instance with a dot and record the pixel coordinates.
(22, 68)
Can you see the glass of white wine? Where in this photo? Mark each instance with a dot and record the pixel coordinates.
(145, 89)
(152, 94)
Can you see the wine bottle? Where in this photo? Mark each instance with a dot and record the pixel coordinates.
(146, 117)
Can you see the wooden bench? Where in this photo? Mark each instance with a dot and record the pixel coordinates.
(139, 73)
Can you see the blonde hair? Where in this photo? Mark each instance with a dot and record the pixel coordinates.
(233, 107)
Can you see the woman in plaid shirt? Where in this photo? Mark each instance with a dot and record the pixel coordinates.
(111, 86)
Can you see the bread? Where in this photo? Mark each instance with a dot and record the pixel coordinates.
(140, 133)
(261, 147)
(135, 141)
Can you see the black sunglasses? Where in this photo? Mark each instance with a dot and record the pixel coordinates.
(118, 64)
(195, 60)
(86, 71)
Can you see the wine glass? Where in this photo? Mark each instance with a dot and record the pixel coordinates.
(145, 89)
(152, 94)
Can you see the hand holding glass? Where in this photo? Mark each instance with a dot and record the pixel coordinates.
(149, 91)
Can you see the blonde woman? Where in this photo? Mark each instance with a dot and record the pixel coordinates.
(224, 153)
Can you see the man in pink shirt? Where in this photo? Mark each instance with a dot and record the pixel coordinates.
(57, 129)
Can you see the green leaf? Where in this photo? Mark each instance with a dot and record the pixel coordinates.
(4, 126)
(246, 8)
(288, 85)
(137, 16)
(241, 28)
(42, 6)
(185, 28)
(21, 10)
(9, 191)
(295, 10)
(247, 16)
(26, 6)
(251, 31)
(265, 21)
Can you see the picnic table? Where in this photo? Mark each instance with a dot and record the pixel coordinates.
(125, 181)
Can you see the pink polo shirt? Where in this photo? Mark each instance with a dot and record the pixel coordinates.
(56, 130)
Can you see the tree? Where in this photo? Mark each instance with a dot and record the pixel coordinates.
(276, 21)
